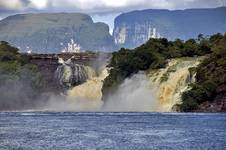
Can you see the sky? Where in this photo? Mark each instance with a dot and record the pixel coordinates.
(100, 10)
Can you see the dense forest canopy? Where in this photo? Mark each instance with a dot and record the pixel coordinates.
(211, 76)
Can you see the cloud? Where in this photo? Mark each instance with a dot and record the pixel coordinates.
(22, 5)
(39, 4)
(12, 4)
(97, 6)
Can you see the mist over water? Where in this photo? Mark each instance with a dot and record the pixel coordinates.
(17, 91)
(134, 94)
(73, 104)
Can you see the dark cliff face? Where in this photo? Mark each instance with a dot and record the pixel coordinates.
(48, 63)
(218, 104)
(45, 33)
(135, 28)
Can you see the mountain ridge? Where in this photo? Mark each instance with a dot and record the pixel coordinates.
(45, 31)
(132, 29)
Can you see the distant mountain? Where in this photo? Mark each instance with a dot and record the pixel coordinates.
(48, 33)
(135, 28)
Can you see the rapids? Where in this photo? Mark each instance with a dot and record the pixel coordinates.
(169, 83)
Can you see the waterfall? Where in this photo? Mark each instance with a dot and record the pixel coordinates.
(70, 74)
(83, 87)
(152, 90)
(90, 89)
(87, 96)
(155, 90)
(169, 83)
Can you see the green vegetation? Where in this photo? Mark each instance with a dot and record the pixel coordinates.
(151, 55)
(19, 80)
(211, 74)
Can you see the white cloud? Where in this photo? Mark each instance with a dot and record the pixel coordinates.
(39, 4)
(99, 5)
(96, 5)
(105, 5)
(12, 4)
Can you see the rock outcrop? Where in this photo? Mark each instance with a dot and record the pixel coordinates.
(71, 70)
(70, 74)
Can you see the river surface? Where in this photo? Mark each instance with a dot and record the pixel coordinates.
(157, 131)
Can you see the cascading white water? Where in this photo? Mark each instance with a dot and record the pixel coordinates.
(83, 86)
(69, 74)
(169, 83)
(87, 96)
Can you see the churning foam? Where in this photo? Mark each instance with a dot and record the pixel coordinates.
(88, 95)
(169, 83)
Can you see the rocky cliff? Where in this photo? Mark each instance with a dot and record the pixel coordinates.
(50, 33)
(55, 72)
(135, 28)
